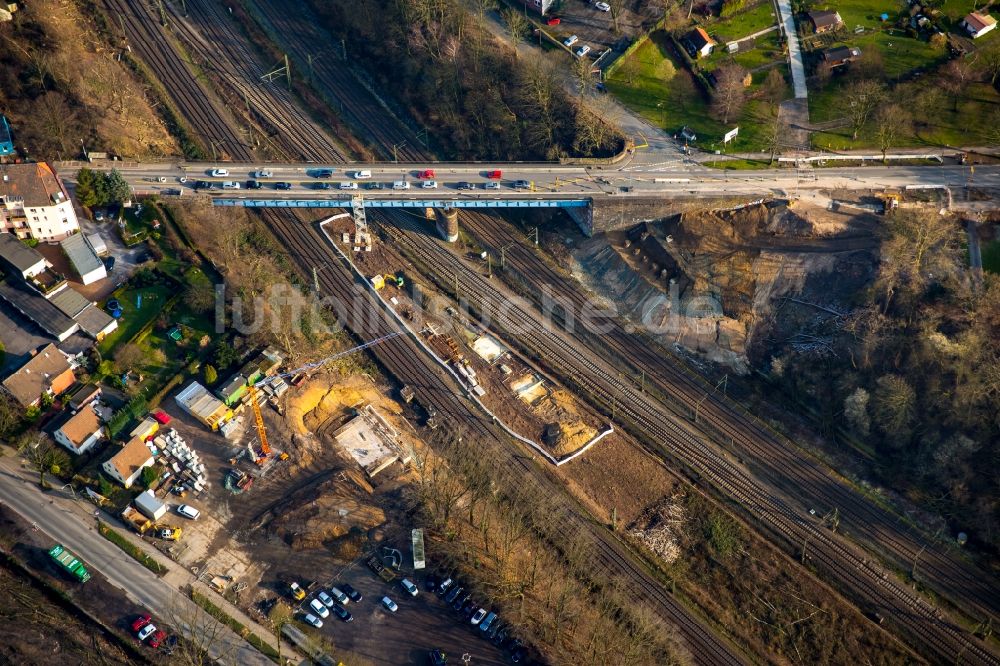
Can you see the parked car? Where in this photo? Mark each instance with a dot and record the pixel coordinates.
(98, 215)
(487, 621)
(141, 622)
(603, 6)
(157, 638)
(322, 173)
(326, 599)
(342, 613)
(582, 51)
(319, 608)
(390, 604)
(437, 658)
(109, 265)
(354, 595)
(429, 184)
(219, 173)
(521, 185)
(408, 585)
(322, 186)
(478, 616)
(146, 631)
(313, 620)
(469, 608)
(461, 601)
(261, 173)
(451, 596)
(425, 174)
(443, 587)
(188, 511)
(349, 185)
(465, 185)
(570, 41)
(339, 595)
(492, 185)
(282, 186)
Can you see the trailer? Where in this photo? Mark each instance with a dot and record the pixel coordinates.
(70, 562)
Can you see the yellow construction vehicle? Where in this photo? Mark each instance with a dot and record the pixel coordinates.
(265, 448)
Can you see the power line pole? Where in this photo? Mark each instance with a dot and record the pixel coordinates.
(288, 73)
(246, 101)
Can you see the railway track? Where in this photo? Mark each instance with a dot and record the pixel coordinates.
(795, 471)
(401, 356)
(312, 49)
(863, 577)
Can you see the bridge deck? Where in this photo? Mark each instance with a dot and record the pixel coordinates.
(404, 203)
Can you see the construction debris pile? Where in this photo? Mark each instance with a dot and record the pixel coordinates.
(188, 470)
(663, 525)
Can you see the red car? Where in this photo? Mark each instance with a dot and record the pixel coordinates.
(161, 417)
(157, 639)
(494, 175)
(141, 622)
(555, 20)
(426, 174)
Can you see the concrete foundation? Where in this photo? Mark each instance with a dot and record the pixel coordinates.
(610, 213)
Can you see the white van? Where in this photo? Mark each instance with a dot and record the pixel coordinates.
(401, 185)
(348, 185)
(218, 173)
(230, 185)
(188, 511)
(362, 174)
(340, 596)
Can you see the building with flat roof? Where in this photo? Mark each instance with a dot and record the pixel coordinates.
(199, 403)
(84, 258)
(93, 321)
(47, 372)
(81, 431)
(35, 307)
(20, 260)
(127, 464)
(34, 203)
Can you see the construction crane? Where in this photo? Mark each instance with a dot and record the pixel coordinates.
(265, 448)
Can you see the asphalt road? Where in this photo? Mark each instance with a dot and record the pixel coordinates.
(66, 522)
(547, 181)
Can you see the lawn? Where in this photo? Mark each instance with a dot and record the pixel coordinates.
(666, 94)
(740, 26)
(136, 312)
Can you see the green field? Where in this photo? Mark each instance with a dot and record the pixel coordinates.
(667, 95)
(742, 25)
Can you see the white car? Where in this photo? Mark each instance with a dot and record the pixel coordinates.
(571, 40)
(362, 174)
(326, 599)
(182, 179)
(492, 185)
(313, 620)
(478, 617)
(390, 604)
(319, 608)
(219, 173)
(401, 185)
(348, 185)
(603, 6)
(261, 173)
(582, 51)
(188, 511)
(409, 587)
(429, 184)
(146, 631)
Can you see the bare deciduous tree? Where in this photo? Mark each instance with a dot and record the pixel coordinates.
(517, 25)
(729, 95)
(862, 97)
(891, 122)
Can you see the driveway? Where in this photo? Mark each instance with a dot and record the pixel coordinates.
(794, 49)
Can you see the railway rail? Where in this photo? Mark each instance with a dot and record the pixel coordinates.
(861, 575)
(401, 356)
(774, 457)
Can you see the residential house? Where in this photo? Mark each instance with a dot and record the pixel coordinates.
(977, 24)
(199, 403)
(84, 258)
(700, 43)
(540, 6)
(19, 260)
(46, 373)
(841, 55)
(34, 203)
(81, 431)
(825, 20)
(127, 464)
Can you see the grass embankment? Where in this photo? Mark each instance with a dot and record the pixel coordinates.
(131, 550)
(234, 624)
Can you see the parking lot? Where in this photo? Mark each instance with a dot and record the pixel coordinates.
(421, 624)
(596, 28)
